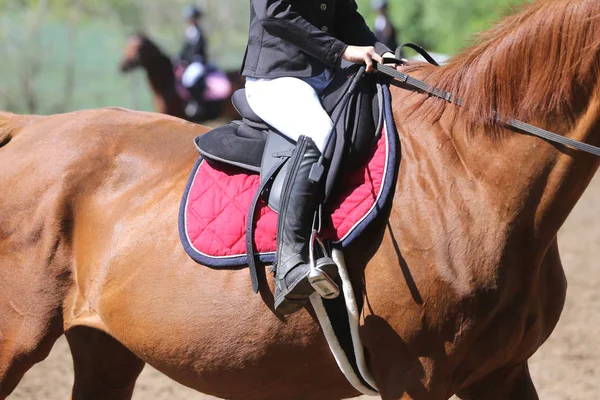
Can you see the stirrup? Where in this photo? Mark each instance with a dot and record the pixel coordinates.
(319, 280)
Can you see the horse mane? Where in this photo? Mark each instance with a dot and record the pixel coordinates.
(537, 65)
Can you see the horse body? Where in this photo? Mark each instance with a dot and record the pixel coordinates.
(95, 191)
(460, 286)
(442, 298)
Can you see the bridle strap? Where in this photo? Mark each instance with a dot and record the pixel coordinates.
(419, 50)
(415, 84)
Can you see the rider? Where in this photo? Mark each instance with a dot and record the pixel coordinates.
(293, 50)
(384, 28)
(193, 52)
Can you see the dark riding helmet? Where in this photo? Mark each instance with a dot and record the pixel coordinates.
(192, 12)
(379, 4)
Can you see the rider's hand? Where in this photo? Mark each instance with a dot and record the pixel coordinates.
(362, 54)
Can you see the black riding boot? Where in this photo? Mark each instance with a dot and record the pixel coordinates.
(299, 202)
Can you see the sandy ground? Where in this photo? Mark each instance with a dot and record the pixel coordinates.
(567, 367)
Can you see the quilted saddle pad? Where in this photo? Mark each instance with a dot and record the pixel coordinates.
(217, 199)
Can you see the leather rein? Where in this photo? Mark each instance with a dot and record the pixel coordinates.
(412, 83)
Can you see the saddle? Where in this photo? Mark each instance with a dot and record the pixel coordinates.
(253, 145)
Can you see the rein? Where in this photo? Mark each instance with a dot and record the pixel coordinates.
(415, 84)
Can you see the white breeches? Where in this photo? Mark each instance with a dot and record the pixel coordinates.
(292, 106)
(192, 73)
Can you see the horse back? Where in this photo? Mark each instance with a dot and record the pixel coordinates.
(95, 135)
(59, 159)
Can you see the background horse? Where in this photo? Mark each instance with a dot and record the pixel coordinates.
(141, 52)
(460, 287)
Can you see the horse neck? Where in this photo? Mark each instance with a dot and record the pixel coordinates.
(541, 66)
(162, 82)
(526, 184)
(564, 173)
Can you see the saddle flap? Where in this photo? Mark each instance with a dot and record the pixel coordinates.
(357, 126)
(276, 147)
(363, 122)
(334, 92)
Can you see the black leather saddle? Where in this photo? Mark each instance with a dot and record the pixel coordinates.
(253, 145)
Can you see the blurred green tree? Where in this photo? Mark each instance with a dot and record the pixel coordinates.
(444, 26)
(61, 55)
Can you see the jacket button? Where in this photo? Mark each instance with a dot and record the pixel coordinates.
(325, 28)
(323, 6)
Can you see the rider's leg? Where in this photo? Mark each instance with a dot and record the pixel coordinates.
(192, 74)
(293, 107)
(194, 80)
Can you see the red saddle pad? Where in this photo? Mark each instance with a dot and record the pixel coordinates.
(217, 200)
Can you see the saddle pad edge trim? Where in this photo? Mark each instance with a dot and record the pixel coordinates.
(388, 183)
(349, 237)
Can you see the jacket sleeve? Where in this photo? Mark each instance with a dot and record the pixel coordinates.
(279, 19)
(352, 28)
(200, 47)
(194, 50)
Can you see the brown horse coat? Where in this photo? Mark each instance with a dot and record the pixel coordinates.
(460, 288)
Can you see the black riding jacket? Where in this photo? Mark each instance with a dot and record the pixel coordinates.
(301, 38)
(194, 46)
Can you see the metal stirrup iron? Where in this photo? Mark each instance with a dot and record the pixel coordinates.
(318, 279)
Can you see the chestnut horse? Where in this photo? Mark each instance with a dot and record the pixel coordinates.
(141, 52)
(460, 287)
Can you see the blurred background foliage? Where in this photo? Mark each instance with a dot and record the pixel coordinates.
(62, 55)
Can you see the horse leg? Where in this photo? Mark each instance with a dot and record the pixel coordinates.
(23, 343)
(104, 368)
(512, 384)
(30, 312)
